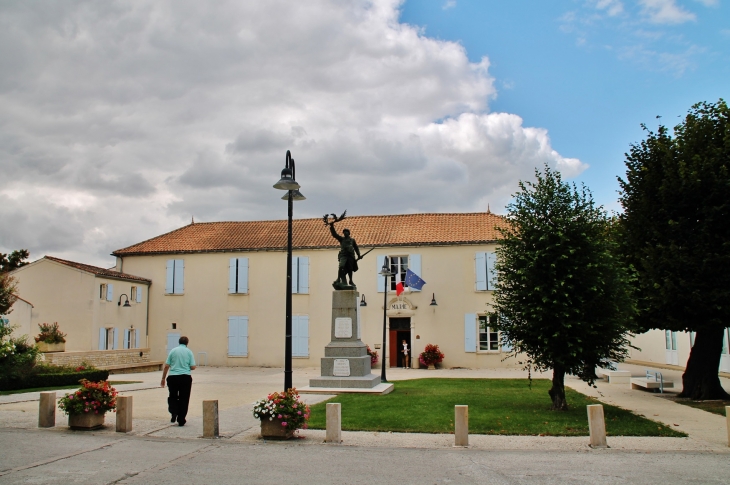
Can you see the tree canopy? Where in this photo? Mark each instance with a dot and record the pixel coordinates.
(14, 260)
(675, 231)
(562, 296)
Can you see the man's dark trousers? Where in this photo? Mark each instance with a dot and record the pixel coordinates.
(179, 399)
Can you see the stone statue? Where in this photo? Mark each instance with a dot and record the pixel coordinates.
(348, 256)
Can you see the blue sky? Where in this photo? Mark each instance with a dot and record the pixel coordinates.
(591, 72)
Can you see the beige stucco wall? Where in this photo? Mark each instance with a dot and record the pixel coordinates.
(20, 317)
(202, 312)
(70, 296)
(653, 349)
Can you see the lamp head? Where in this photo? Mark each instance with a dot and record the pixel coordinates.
(287, 181)
(295, 196)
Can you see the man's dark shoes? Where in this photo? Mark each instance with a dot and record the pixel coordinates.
(173, 419)
(181, 423)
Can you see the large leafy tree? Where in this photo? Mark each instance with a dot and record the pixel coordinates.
(563, 298)
(676, 233)
(15, 260)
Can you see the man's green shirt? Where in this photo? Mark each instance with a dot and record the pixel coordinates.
(180, 359)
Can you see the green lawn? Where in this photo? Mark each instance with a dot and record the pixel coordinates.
(74, 386)
(716, 407)
(496, 406)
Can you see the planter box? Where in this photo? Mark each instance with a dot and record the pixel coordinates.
(46, 348)
(273, 430)
(86, 421)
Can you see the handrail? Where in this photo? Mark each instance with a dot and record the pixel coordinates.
(658, 377)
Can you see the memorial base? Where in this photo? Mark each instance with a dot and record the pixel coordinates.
(360, 382)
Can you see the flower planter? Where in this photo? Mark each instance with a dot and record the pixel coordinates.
(431, 367)
(86, 421)
(46, 348)
(273, 430)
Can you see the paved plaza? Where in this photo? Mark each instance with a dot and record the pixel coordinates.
(158, 452)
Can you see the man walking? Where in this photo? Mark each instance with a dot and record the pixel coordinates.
(180, 361)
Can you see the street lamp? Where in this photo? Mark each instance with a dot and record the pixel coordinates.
(288, 182)
(386, 274)
(126, 303)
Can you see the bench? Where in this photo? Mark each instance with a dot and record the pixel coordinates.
(614, 376)
(653, 381)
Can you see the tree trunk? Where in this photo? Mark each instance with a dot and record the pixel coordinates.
(557, 392)
(700, 380)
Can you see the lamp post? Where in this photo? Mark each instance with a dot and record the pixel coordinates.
(386, 274)
(288, 182)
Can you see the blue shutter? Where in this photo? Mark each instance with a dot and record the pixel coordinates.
(102, 339)
(243, 336)
(381, 280)
(232, 264)
(170, 276)
(114, 341)
(243, 275)
(303, 274)
(125, 343)
(179, 276)
(295, 274)
(109, 292)
(139, 294)
(136, 339)
(414, 264)
(470, 332)
(172, 341)
(232, 335)
(481, 270)
(300, 336)
(491, 273)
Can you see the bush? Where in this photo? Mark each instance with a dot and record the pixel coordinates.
(50, 334)
(17, 356)
(54, 379)
(431, 355)
(92, 397)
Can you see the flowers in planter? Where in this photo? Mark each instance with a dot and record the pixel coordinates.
(373, 356)
(431, 355)
(285, 406)
(92, 397)
(50, 334)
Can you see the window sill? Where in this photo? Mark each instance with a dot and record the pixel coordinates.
(299, 356)
(237, 294)
(238, 356)
(174, 294)
(487, 352)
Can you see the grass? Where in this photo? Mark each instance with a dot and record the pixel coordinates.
(54, 388)
(496, 406)
(715, 407)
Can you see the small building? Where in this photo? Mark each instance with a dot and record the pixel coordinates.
(97, 308)
(19, 317)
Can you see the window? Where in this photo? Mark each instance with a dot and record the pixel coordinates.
(300, 274)
(300, 335)
(133, 293)
(107, 339)
(670, 340)
(237, 336)
(399, 265)
(131, 338)
(175, 277)
(106, 291)
(488, 337)
(102, 291)
(486, 276)
(4, 321)
(238, 276)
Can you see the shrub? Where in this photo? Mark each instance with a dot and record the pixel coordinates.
(431, 355)
(92, 397)
(17, 356)
(50, 334)
(373, 356)
(285, 406)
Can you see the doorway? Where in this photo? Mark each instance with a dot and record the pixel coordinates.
(400, 330)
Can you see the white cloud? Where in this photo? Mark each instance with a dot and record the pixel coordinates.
(665, 12)
(449, 4)
(122, 120)
(611, 7)
(709, 3)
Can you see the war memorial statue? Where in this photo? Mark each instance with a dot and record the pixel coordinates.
(348, 256)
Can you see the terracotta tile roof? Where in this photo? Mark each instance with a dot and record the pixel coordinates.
(107, 273)
(368, 231)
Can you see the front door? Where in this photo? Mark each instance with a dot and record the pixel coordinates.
(400, 329)
(670, 344)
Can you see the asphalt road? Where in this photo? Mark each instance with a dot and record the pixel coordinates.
(62, 457)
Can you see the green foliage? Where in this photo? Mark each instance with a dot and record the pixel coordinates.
(496, 406)
(562, 296)
(15, 260)
(92, 397)
(17, 356)
(7, 293)
(50, 334)
(54, 380)
(675, 228)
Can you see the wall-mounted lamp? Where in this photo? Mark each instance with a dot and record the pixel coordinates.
(126, 303)
(433, 300)
(362, 301)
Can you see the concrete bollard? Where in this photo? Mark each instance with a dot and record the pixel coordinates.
(334, 423)
(47, 410)
(461, 425)
(597, 426)
(727, 420)
(124, 414)
(210, 419)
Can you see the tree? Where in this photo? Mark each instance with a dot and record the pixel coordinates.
(675, 231)
(563, 298)
(14, 261)
(7, 293)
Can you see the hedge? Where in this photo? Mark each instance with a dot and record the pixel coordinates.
(52, 380)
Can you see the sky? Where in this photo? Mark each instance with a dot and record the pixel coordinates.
(120, 121)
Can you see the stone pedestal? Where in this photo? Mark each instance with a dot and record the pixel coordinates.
(124, 414)
(47, 410)
(597, 426)
(210, 419)
(346, 363)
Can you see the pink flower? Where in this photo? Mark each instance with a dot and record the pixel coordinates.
(97, 412)
(299, 413)
(279, 416)
(283, 423)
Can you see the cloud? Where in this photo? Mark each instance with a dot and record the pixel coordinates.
(611, 7)
(120, 121)
(449, 4)
(665, 12)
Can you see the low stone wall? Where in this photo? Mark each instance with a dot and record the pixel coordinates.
(102, 359)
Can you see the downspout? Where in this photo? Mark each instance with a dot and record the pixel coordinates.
(147, 323)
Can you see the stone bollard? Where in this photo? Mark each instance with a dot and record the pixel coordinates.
(47, 410)
(210, 419)
(461, 425)
(727, 420)
(124, 414)
(334, 423)
(597, 426)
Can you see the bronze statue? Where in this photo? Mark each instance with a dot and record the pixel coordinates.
(348, 256)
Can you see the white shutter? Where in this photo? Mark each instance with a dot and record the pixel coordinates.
(232, 264)
(491, 272)
(179, 276)
(470, 332)
(232, 335)
(170, 278)
(381, 280)
(109, 292)
(172, 341)
(295, 274)
(243, 336)
(125, 342)
(137, 339)
(303, 274)
(243, 275)
(114, 341)
(481, 270)
(414, 264)
(102, 339)
(300, 336)
(139, 294)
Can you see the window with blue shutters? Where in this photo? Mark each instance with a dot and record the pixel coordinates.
(238, 336)
(300, 335)
(175, 277)
(238, 276)
(399, 266)
(486, 274)
(300, 274)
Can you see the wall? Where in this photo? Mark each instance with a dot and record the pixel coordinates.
(99, 358)
(21, 317)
